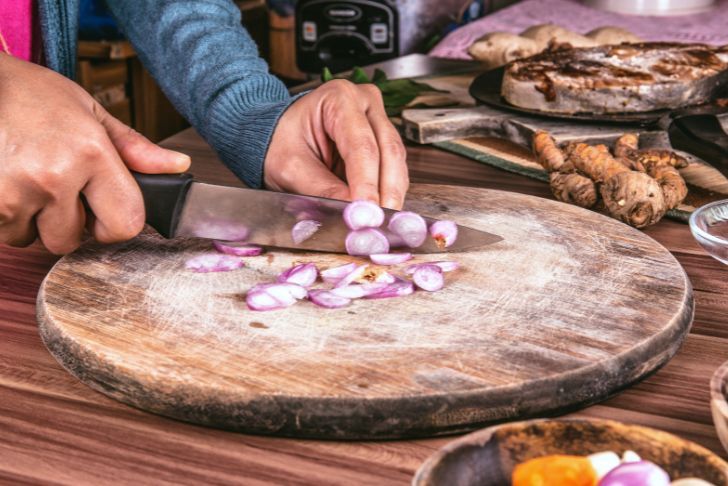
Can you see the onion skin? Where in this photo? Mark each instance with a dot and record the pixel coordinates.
(429, 278)
(390, 258)
(237, 248)
(324, 298)
(365, 242)
(444, 232)
(363, 214)
(410, 227)
(643, 473)
(304, 274)
(214, 262)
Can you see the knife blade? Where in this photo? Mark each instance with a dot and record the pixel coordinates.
(178, 206)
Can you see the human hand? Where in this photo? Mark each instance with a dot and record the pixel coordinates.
(57, 143)
(339, 132)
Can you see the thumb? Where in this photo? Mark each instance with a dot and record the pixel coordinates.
(138, 153)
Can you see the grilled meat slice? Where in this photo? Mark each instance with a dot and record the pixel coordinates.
(626, 78)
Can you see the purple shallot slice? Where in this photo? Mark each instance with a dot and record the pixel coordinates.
(444, 233)
(303, 274)
(334, 274)
(429, 278)
(399, 288)
(365, 242)
(445, 266)
(363, 214)
(390, 258)
(410, 227)
(214, 262)
(304, 230)
(237, 248)
(327, 299)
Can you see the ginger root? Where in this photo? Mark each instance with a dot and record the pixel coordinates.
(631, 196)
(499, 48)
(566, 184)
(661, 165)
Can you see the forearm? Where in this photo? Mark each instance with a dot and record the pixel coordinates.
(209, 67)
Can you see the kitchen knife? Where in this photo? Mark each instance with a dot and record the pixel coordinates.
(176, 205)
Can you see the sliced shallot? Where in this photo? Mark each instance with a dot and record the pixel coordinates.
(274, 296)
(357, 291)
(237, 248)
(397, 289)
(334, 274)
(428, 277)
(357, 273)
(444, 232)
(327, 299)
(390, 258)
(304, 274)
(409, 226)
(213, 262)
(365, 242)
(363, 214)
(304, 230)
(445, 266)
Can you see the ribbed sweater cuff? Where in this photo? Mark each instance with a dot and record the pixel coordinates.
(241, 136)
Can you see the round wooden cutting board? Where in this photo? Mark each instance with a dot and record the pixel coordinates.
(569, 308)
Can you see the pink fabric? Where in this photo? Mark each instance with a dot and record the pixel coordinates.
(709, 27)
(16, 27)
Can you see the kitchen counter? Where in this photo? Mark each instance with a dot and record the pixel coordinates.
(54, 429)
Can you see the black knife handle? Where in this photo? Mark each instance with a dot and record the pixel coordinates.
(701, 135)
(164, 196)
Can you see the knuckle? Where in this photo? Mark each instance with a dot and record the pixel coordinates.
(342, 86)
(395, 148)
(371, 90)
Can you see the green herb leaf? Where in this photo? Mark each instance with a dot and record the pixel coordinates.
(326, 75)
(379, 77)
(358, 76)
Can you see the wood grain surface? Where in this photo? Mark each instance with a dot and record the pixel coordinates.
(56, 430)
(570, 307)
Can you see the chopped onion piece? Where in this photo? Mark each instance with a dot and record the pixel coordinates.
(364, 242)
(397, 289)
(445, 266)
(428, 277)
(444, 232)
(395, 241)
(304, 230)
(237, 248)
(357, 291)
(409, 226)
(325, 298)
(274, 296)
(390, 258)
(603, 462)
(334, 274)
(213, 262)
(304, 274)
(363, 214)
(357, 273)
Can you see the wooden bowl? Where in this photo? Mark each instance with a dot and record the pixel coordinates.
(488, 456)
(718, 404)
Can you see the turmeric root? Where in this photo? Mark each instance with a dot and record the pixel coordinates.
(633, 197)
(566, 184)
(573, 188)
(671, 182)
(661, 165)
(626, 144)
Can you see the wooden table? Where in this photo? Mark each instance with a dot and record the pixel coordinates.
(54, 429)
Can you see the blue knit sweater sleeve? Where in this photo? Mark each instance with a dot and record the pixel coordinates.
(209, 67)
